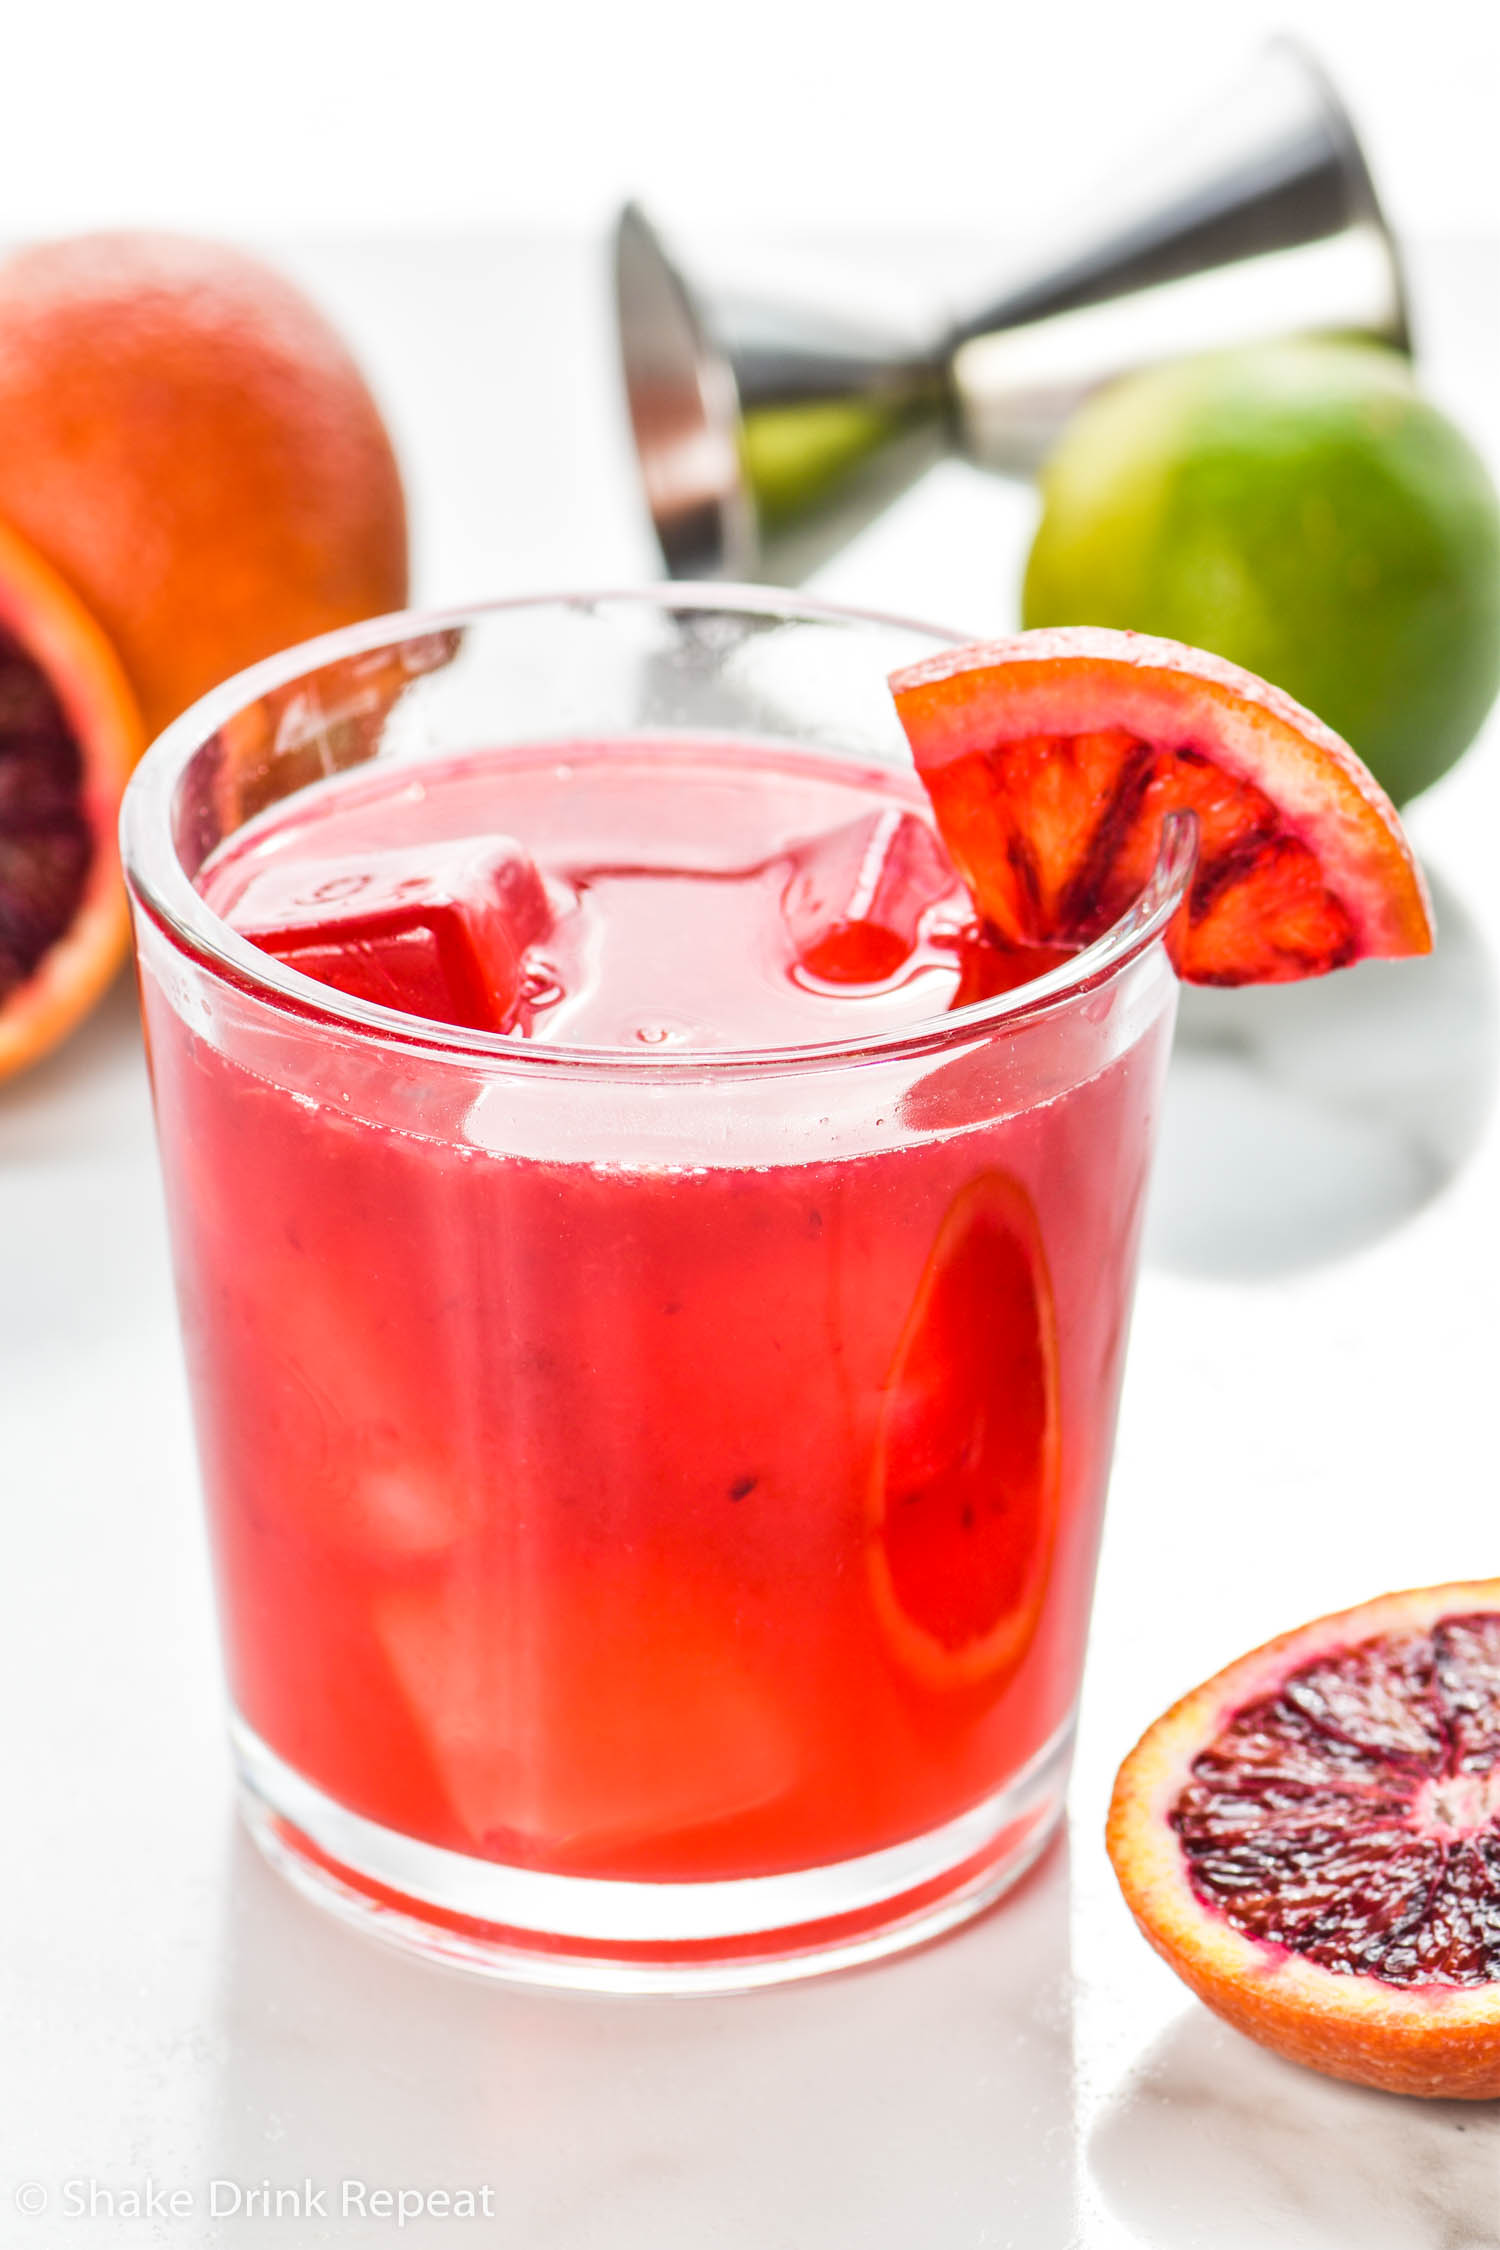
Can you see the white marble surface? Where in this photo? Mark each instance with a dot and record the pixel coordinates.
(1309, 1418)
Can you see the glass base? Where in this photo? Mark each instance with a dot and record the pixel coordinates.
(647, 1937)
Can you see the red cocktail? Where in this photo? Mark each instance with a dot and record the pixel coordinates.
(655, 1400)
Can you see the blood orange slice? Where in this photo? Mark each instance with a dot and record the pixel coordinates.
(1312, 1840)
(964, 1491)
(1052, 760)
(70, 732)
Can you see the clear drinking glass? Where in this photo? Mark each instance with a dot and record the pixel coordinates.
(654, 1496)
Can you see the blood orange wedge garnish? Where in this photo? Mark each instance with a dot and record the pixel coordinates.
(963, 1499)
(1312, 1840)
(1052, 760)
(70, 732)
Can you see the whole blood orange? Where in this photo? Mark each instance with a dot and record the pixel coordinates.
(70, 732)
(964, 1491)
(1312, 1840)
(1052, 760)
(188, 443)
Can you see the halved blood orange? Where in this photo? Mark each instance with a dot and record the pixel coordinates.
(70, 731)
(1052, 760)
(963, 1497)
(1312, 1840)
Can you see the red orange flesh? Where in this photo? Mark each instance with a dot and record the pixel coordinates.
(1312, 1841)
(964, 1492)
(1053, 758)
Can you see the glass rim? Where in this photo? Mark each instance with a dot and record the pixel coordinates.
(161, 887)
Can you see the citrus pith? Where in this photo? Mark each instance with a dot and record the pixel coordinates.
(1052, 760)
(1312, 1841)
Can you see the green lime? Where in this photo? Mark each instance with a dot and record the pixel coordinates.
(1300, 509)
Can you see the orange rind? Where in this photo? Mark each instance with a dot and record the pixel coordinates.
(70, 732)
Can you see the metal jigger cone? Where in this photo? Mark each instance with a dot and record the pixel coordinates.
(769, 435)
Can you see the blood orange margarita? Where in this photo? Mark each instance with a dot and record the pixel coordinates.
(654, 1283)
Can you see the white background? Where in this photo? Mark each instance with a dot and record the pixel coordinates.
(291, 116)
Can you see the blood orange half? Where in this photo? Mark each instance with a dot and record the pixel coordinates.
(70, 731)
(1052, 760)
(1312, 1840)
(964, 1492)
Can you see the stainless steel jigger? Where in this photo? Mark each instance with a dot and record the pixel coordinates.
(769, 435)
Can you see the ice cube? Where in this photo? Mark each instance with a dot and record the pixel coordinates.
(584, 1710)
(437, 930)
(855, 897)
(327, 1420)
